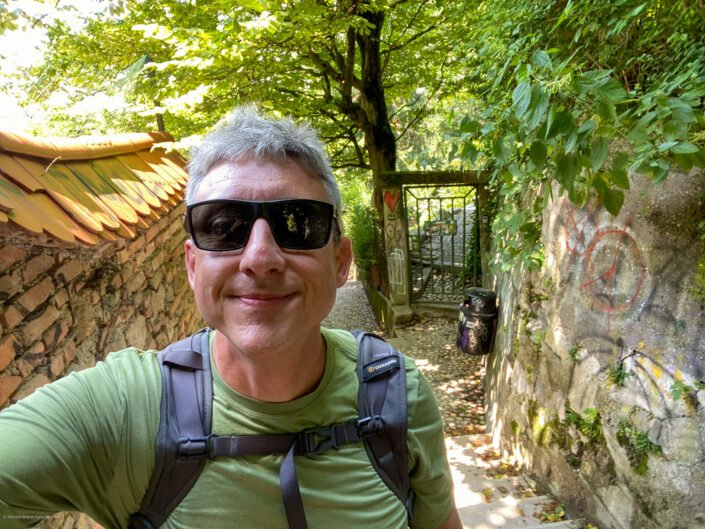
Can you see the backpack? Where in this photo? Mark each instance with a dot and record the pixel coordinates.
(184, 439)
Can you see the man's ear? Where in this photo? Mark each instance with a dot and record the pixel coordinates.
(190, 262)
(343, 259)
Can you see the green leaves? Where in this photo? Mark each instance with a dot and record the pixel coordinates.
(680, 389)
(566, 170)
(256, 5)
(612, 199)
(469, 152)
(619, 175)
(541, 59)
(606, 110)
(637, 446)
(681, 111)
(606, 90)
(610, 88)
(538, 154)
(598, 152)
(537, 107)
(575, 144)
(563, 125)
(521, 99)
(207, 57)
(684, 147)
(591, 80)
(470, 126)
(7, 19)
(530, 103)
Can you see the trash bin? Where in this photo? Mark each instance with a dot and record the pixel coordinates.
(477, 322)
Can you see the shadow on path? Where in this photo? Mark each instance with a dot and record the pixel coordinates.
(457, 379)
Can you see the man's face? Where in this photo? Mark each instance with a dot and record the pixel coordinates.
(262, 296)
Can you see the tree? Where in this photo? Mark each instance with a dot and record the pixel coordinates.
(364, 71)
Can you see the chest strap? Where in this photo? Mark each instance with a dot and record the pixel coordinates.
(306, 443)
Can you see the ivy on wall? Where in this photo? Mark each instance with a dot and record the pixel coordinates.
(580, 93)
(638, 447)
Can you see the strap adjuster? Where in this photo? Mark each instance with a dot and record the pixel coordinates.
(370, 425)
(195, 446)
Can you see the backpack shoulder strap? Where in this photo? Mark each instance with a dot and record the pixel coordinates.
(382, 393)
(184, 435)
(184, 428)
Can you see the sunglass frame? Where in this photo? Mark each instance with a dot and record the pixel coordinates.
(261, 210)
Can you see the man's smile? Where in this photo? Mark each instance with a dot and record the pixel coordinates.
(263, 299)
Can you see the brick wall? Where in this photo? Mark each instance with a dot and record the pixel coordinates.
(64, 308)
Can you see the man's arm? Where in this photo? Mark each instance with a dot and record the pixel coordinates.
(430, 474)
(71, 444)
(42, 451)
(453, 521)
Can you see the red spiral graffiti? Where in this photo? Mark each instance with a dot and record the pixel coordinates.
(609, 263)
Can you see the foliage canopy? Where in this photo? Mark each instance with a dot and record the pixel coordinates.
(365, 72)
(571, 94)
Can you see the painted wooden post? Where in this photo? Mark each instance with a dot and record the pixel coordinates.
(395, 245)
(483, 197)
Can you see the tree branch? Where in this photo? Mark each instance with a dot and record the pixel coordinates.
(397, 47)
(422, 111)
(348, 133)
(349, 65)
(324, 67)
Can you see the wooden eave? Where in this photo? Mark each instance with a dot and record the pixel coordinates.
(90, 189)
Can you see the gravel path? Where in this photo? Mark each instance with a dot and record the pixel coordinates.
(457, 379)
(352, 311)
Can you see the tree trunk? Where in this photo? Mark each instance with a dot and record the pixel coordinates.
(379, 137)
(369, 113)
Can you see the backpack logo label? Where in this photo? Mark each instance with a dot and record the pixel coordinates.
(380, 367)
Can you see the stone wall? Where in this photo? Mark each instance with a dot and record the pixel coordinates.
(64, 308)
(595, 383)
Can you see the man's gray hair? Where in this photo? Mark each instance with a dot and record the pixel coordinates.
(246, 133)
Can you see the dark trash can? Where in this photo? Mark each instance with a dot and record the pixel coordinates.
(477, 321)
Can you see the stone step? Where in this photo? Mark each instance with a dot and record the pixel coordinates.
(511, 513)
(565, 524)
(491, 494)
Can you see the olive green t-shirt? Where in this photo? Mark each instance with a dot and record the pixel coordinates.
(86, 443)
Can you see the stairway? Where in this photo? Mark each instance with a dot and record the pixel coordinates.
(491, 494)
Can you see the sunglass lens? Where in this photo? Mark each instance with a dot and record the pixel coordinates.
(301, 224)
(221, 226)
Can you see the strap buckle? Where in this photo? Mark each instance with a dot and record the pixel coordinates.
(195, 446)
(317, 440)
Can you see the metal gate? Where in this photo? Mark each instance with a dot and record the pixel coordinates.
(443, 239)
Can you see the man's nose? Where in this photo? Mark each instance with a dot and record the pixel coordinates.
(261, 254)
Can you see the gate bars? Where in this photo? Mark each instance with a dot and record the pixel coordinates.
(443, 241)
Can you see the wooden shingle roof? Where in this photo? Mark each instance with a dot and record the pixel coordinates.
(87, 190)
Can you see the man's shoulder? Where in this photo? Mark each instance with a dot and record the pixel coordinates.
(345, 344)
(348, 338)
(128, 373)
(130, 358)
(341, 341)
(132, 354)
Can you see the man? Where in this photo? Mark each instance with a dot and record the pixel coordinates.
(264, 261)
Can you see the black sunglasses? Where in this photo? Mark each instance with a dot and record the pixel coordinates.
(223, 225)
